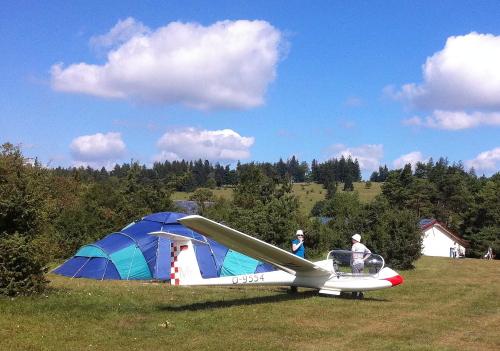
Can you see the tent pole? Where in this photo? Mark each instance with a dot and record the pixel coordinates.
(156, 259)
(213, 254)
(88, 259)
(132, 262)
(105, 268)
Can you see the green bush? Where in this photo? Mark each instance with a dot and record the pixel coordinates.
(21, 273)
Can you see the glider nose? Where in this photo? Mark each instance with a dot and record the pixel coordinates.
(396, 280)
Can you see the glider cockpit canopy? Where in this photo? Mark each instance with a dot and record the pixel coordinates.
(342, 261)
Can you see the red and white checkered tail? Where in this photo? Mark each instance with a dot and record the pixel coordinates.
(184, 268)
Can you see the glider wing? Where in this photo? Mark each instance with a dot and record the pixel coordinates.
(252, 247)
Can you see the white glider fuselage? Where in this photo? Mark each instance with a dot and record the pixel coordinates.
(333, 282)
(291, 269)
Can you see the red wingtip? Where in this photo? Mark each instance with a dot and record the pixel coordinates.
(396, 280)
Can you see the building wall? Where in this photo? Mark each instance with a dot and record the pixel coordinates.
(437, 243)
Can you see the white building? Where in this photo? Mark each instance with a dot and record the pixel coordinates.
(439, 240)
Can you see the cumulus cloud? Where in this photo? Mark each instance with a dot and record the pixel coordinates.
(411, 158)
(455, 120)
(485, 161)
(464, 75)
(223, 146)
(368, 156)
(227, 65)
(97, 150)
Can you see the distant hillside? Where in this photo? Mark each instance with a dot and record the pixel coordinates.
(308, 193)
(311, 193)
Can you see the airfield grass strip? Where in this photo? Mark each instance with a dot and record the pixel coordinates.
(444, 304)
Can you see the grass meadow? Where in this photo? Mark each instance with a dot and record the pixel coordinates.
(308, 193)
(444, 304)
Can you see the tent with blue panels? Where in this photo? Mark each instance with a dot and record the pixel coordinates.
(132, 254)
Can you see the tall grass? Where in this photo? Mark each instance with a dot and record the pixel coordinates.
(443, 304)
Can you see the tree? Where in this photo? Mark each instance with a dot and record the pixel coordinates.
(293, 169)
(331, 190)
(392, 233)
(317, 209)
(211, 182)
(21, 271)
(27, 207)
(314, 171)
(202, 195)
(423, 196)
(397, 187)
(481, 225)
(342, 206)
(281, 167)
(381, 175)
(348, 185)
(486, 237)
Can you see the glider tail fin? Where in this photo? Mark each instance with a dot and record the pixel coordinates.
(184, 268)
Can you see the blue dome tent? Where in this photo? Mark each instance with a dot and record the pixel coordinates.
(132, 254)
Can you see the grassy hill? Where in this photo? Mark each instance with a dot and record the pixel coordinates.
(444, 304)
(308, 193)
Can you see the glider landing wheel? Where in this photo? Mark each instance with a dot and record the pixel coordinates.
(356, 295)
(294, 289)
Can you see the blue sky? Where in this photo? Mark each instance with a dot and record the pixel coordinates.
(387, 82)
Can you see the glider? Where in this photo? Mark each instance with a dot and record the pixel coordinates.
(331, 276)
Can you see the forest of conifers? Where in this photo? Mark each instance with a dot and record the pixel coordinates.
(47, 213)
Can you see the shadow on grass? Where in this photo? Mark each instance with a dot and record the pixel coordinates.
(240, 302)
(285, 296)
(343, 296)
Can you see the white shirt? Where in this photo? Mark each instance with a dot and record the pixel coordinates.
(362, 249)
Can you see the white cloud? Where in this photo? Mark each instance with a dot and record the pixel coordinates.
(485, 161)
(97, 150)
(411, 158)
(368, 155)
(227, 65)
(122, 32)
(455, 120)
(224, 146)
(464, 75)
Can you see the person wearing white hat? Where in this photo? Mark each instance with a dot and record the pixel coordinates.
(358, 256)
(298, 244)
(298, 249)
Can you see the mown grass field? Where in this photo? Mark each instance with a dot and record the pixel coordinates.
(308, 193)
(443, 304)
